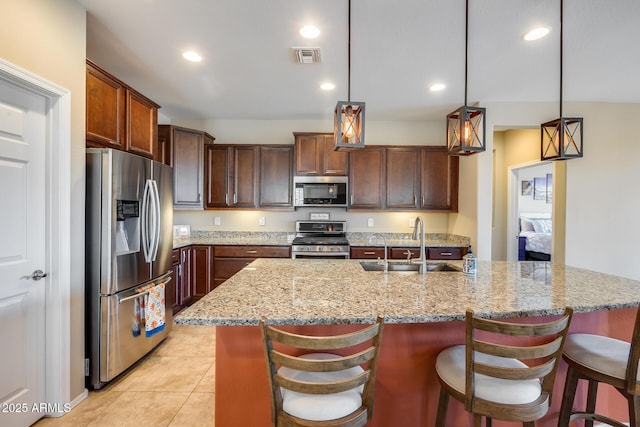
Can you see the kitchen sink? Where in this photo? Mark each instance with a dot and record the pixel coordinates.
(397, 266)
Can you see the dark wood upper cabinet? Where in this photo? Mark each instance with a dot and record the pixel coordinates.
(275, 177)
(231, 176)
(439, 180)
(105, 108)
(314, 155)
(403, 177)
(117, 116)
(366, 178)
(142, 124)
(187, 149)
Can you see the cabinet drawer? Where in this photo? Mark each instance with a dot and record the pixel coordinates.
(445, 253)
(175, 256)
(401, 253)
(366, 253)
(236, 251)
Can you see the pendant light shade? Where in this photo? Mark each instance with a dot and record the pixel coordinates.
(466, 125)
(561, 139)
(348, 117)
(465, 131)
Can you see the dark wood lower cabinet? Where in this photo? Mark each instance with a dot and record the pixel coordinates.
(228, 260)
(201, 274)
(181, 296)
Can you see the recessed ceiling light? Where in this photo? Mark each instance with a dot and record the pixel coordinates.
(536, 33)
(327, 86)
(309, 32)
(437, 87)
(192, 56)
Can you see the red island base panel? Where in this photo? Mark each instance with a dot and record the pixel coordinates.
(407, 388)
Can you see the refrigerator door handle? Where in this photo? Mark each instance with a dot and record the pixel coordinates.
(155, 240)
(146, 196)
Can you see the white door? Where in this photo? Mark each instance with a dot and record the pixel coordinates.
(23, 194)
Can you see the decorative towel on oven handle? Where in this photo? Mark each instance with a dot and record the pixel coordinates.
(154, 310)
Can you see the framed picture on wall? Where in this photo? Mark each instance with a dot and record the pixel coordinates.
(549, 188)
(539, 189)
(527, 188)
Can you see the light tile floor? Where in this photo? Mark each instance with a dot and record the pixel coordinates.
(172, 386)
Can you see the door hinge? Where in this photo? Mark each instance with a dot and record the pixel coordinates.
(86, 367)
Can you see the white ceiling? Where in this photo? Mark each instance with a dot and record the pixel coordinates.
(398, 48)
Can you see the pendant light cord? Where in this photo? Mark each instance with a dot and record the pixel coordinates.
(349, 56)
(561, 43)
(466, 42)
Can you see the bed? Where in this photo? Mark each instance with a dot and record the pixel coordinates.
(534, 239)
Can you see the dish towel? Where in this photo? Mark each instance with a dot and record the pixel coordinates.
(154, 310)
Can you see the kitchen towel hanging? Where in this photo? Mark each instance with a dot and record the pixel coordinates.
(154, 310)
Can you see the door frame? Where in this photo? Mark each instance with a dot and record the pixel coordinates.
(58, 231)
(513, 189)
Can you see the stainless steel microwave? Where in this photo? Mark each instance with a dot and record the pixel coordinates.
(313, 191)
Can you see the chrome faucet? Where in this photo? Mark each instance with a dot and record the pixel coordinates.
(423, 256)
(386, 261)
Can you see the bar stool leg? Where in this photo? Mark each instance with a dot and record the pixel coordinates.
(634, 411)
(591, 401)
(567, 398)
(477, 420)
(443, 403)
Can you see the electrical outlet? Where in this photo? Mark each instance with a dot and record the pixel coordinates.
(216, 220)
(370, 222)
(262, 220)
(411, 222)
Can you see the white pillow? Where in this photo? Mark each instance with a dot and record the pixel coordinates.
(542, 225)
(526, 225)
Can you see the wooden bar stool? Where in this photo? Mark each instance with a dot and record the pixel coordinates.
(322, 389)
(491, 378)
(600, 359)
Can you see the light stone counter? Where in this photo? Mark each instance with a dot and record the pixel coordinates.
(306, 291)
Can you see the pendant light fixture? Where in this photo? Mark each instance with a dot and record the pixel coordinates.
(561, 139)
(465, 126)
(348, 124)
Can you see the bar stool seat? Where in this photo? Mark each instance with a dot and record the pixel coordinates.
(601, 359)
(489, 374)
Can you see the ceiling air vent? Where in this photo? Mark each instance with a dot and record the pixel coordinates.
(306, 55)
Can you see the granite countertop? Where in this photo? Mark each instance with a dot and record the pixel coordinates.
(284, 239)
(307, 291)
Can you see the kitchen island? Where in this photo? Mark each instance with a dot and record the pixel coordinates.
(423, 315)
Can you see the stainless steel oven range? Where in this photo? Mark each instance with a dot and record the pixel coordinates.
(320, 239)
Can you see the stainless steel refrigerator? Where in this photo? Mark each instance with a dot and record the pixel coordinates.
(129, 239)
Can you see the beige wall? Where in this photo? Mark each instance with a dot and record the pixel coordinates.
(47, 38)
(600, 210)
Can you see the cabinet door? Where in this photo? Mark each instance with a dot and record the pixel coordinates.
(314, 155)
(105, 108)
(366, 178)
(403, 178)
(439, 180)
(335, 162)
(244, 177)
(275, 177)
(188, 151)
(201, 274)
(185, 268)
(174, 291)
(142, 124)
(217, 176)
(403, 253)
(307, 150)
